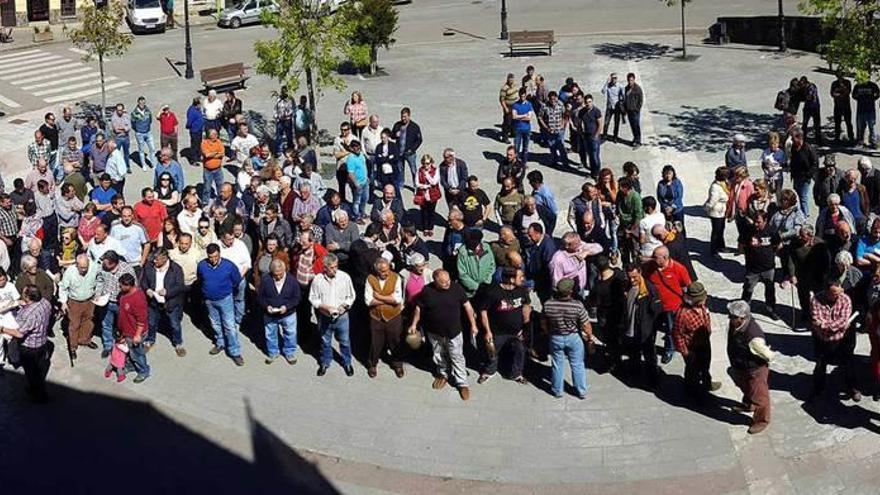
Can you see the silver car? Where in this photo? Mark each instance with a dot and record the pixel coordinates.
(245, 12)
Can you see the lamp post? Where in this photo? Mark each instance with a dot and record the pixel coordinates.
(188, 48)
(782, 46)
(504, 19)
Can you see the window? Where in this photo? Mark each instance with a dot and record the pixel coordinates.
(68, 8)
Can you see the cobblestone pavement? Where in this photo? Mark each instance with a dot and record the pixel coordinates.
(392, 435)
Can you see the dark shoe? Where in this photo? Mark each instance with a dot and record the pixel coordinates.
(773, 316)
(876, 397)
(757, 428)
(290, 360)
(349, 370)
(856, 396)
(440, 382)
(484, 378)
(521, 380)
(270, 359)
(72, 355)
(714, 386)
(322, 370)
(215, 350)
(105, 354)
(464, 393)
(140, 378)
(398, 372)
(667, 357)
(91, 345)
(371, 372)
(238, 361)
(180, 351)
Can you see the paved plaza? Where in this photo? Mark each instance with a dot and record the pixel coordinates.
(201, 423)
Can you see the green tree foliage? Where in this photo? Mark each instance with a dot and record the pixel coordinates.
(311, 43)
(100, 37)
(855, 46)
(373, 23)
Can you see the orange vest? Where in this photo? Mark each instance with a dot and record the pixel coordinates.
(384, 312)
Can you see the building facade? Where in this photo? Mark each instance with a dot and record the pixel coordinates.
(24, 12)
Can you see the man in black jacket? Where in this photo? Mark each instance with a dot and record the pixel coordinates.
(162, 282)
(279, 296)
(633, 100)
(408, 136)
(804, 163)
(639, 330)
(453, 176)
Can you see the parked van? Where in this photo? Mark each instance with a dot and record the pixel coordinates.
(145, 16)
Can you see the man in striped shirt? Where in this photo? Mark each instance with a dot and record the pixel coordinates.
(36, 350)
(553, 121)
(568, 324)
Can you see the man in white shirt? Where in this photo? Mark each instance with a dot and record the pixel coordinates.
(237, 252)
(242, 143)
(102, 242)
(9, 297)
(116, 167)
(213, 108)
(383, 294)
(188, 218)
(647, 242)
(332, 295)
(132, 238)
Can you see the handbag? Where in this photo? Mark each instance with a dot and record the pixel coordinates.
(434, 193)
(361, 123)
(419, 198)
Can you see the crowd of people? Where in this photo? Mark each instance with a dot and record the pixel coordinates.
(275, 246)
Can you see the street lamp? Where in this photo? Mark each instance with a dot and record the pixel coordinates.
(504, 19)
(782, 46)
(188, 48)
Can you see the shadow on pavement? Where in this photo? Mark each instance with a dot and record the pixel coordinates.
(137, 447)
(711, 129)
(632, 51)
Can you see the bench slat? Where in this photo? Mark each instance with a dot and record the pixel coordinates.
(531, 40)
(223, 75)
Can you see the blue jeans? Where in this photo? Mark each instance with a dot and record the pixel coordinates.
(411, 160)
(556, 143)
(591, 148)
(124, 143)
(521, 144)
(283, 129)
(173, 317)
(569, 346)
(328, 329)
(145, 144)
(287, 326)
(137, 359)
(108, 324)
(802, 188)
(359, 200)
(211, 182)
(635, 124)
(222, 316)
(667, 323)
(866, 120)
(239, 300)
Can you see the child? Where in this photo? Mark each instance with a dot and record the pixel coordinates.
(118, 356)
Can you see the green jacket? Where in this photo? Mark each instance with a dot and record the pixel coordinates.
(474, 270)
(629, 209)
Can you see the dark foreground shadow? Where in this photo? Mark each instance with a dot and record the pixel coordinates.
(632, 51)
(712, 129)
(134, 446)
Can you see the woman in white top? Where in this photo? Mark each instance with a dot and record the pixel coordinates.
(716, 209)
(243, 179)
(774, 161)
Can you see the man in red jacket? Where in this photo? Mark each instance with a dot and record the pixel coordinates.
(670, 278)
(132, 322)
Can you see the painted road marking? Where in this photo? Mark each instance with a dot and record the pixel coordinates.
(88, 92)
(50, 76)
(94, 82)
(9, 103)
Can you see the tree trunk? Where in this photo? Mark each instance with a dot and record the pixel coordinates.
(374, 56)
(782, 44)
(311, 87)
(684, 52)
(103, 91)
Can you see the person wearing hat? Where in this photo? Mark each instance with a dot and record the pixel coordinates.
(828, 181)
(475, 262)
(168, 130)
(568, 325)
(690, 332)
(749, 357)
(736, 154)
(834, 339)
(113, 267)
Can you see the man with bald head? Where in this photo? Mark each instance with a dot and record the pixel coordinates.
(670, 278)
(438, 314)
(75, 293)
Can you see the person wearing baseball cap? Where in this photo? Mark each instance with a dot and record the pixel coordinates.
(690, 332)
(568, 324)
(749, 357)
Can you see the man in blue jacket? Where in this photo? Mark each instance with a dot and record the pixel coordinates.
(219, 278)
(141, 123)
(195, 123)
(279, 296)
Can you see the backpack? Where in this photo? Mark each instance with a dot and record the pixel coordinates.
(782, 101)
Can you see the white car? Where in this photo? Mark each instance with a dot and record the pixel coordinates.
(145, 16)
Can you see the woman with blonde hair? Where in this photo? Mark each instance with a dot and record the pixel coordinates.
(774, 161)
(427, 193)
(356, 111)
(716, 209)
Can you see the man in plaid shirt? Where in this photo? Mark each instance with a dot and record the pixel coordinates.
(833, 339)
(690, 333)
(36, 349)
(40, 148)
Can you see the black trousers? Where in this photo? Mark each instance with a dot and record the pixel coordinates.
(36, 364)
(696, 365)
(843, 113)
(838, 353)
(507, 125)
(817, 123)
(615, 112)
(716, 238)
(637, 351)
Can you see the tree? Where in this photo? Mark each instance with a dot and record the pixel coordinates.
(310, 44)
(682, 3)
(855, 28)
(100, 37)
(374, 23)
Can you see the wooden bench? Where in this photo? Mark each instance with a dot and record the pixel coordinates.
(223, 76)
(531, 41)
